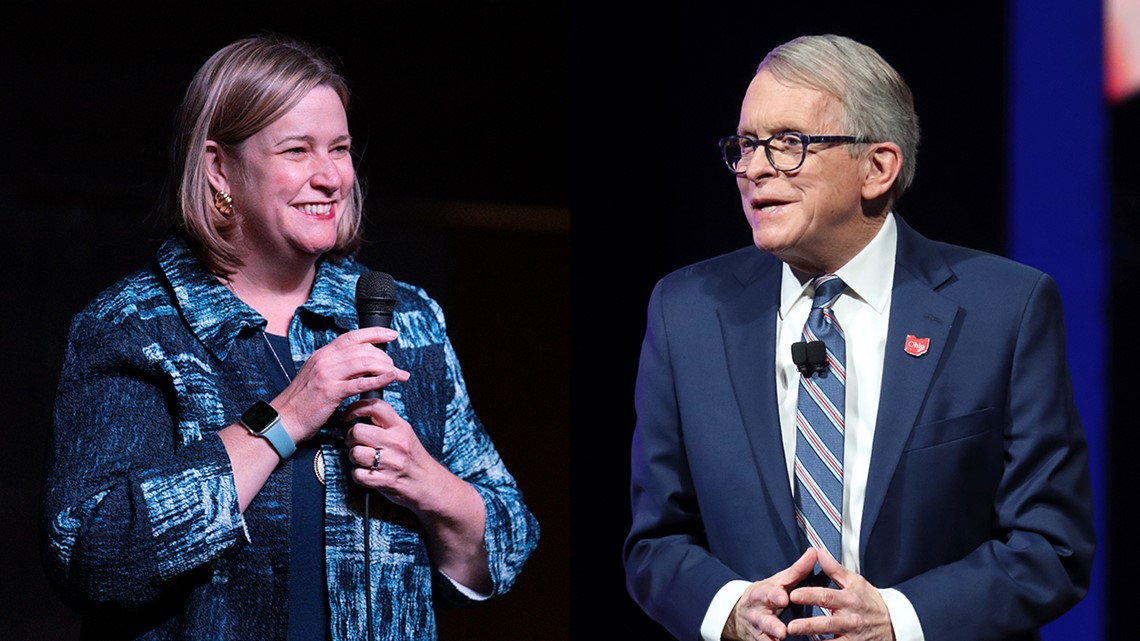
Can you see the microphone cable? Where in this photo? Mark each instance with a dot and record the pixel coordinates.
(375, 300)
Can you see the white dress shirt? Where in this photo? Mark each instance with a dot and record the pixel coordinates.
(863, 310)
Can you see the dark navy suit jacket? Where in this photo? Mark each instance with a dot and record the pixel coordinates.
(978, 505)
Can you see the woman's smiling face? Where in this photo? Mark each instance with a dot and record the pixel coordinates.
(291, 181)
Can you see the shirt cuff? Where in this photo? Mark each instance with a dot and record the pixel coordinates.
(466, 591)
(903, 617)
(717, 615)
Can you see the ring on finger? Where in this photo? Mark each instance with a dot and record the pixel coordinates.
(376, 460)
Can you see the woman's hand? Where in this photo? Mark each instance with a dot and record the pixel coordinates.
(387, 456)
(351, 364)
(406, 473)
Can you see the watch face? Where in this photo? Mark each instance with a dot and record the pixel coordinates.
(259, 416)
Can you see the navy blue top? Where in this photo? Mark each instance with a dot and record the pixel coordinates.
(308, 590)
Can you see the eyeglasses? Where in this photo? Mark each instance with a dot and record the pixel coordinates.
(785, 151)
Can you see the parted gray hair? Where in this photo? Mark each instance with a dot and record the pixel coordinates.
(877, 103)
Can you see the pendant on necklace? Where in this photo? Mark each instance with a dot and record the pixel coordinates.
(319, 465)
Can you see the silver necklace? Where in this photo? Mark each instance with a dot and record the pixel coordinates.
(264, 335)
(319, 457)
(274, 352)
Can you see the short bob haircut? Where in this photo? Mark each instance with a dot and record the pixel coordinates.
(877, 103)
(240, 90)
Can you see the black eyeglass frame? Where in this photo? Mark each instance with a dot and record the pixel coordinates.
(806, 139)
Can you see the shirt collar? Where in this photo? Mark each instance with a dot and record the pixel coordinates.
(217, 317)
(863, 274)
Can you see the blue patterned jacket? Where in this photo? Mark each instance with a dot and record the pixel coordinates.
(140, 526)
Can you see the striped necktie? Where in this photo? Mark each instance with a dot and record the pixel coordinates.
(820, 428)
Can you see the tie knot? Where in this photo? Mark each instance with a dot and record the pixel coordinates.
(827, 290)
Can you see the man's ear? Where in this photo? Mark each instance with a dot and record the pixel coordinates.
(216, 165)
(881, 168)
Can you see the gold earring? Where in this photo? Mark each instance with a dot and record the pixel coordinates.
(224, 203)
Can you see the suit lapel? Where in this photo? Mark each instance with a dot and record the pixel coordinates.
(748, 326)
(918, 310)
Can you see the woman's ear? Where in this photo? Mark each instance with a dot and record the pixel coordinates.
(216, 165)
(881, 169)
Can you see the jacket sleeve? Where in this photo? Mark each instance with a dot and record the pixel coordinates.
(134, 498)
(669, 569)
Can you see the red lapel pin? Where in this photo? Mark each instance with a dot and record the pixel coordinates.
(916, 346)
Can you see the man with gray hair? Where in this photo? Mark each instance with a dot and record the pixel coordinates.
(855, 431)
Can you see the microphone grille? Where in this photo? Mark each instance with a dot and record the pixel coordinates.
(376, 293)
(817, 355)
(799, 354)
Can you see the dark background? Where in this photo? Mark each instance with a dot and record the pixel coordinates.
(1123, 249)
(507, 94)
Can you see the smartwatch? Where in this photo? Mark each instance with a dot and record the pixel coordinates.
(264, 421)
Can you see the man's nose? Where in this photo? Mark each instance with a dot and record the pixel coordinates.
(759, 166)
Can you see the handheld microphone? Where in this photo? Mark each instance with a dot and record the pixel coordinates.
(375, 300)
(809, 357)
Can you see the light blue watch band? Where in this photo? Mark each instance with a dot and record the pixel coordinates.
(279, 439)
